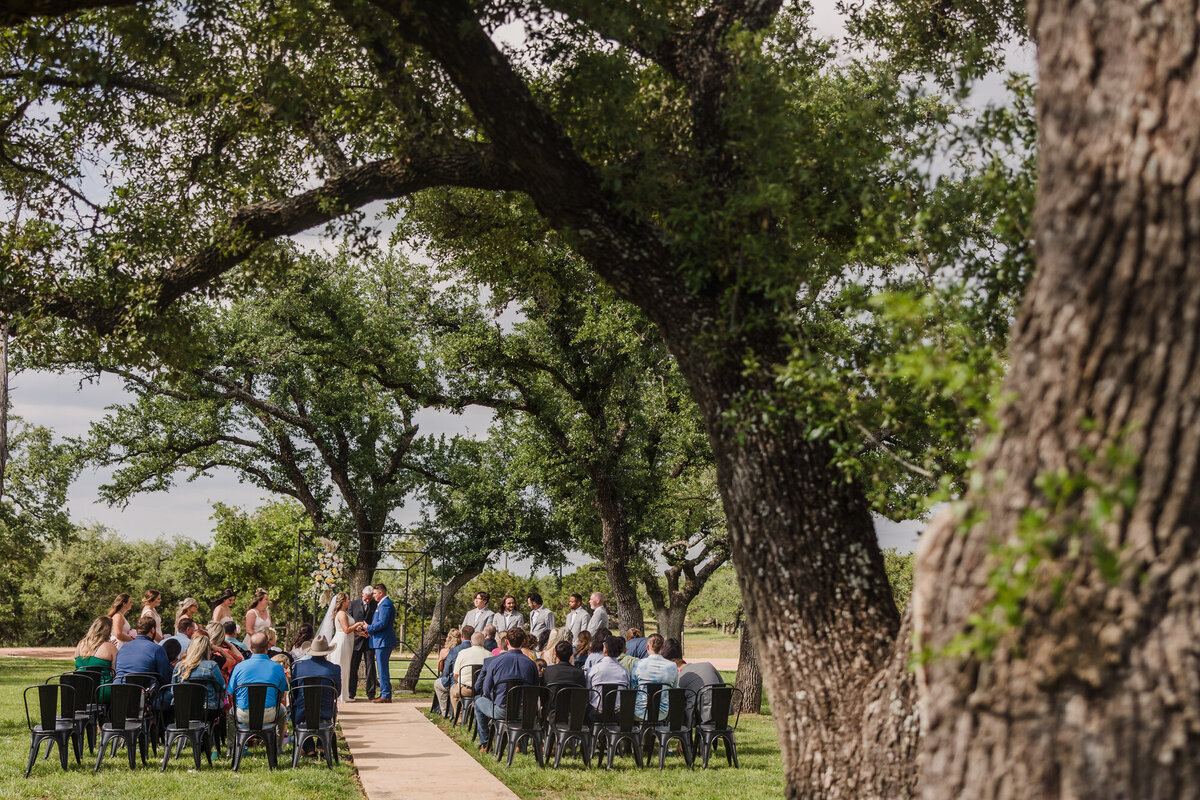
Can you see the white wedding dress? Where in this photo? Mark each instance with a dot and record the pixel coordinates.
(343, 649)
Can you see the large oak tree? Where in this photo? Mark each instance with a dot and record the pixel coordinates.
(708, 160)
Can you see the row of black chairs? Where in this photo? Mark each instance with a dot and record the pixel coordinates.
(554, 717)
(140, 714)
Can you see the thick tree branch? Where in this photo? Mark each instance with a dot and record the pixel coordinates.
(451, 163)
(14, 12)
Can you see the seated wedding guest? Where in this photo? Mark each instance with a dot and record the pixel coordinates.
(285, 661)
(185, 628)
(442, 684)
(557, 635)
(221, 647)
(608, 670)
(595, 652)
(121, 630)
(273, 648)
(143, 654)
(472, 658)
(222, 610)
(172, 648)
(197, 666)
(188, 607)
(694, 677)
(635, 643)
(527, 642)
(562, 672)
(230, 627)
(583, 643)
(96, 650)
(318, 665)
(501, 643)
(258, 668)
(654, 668)
(509, 665)
(151, 600)
(453, 640)
(304, 635)
(489, 637)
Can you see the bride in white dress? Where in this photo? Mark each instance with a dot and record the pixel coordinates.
(337, 621)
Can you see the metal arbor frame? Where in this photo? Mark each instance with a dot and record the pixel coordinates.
(423, 561)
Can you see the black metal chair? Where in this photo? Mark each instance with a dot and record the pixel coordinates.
(127, 707)
(51, 727)
(311, 725)
(522, 720)
(189, 725)
(86, 712)
(494, 722)
(618, 723)
(717, 728)
(675, 726)
(473, 677)
(152, 720)
(255, 728)
(569, 723)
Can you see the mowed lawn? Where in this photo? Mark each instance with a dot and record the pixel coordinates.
(310, 781)
(760, 775)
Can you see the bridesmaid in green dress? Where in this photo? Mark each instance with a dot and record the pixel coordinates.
(96, 650)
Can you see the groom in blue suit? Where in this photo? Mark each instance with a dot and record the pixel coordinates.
(383, 639)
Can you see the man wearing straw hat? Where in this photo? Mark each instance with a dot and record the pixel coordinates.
(318, 666)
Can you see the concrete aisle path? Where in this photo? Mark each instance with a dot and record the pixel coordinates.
(400, 754)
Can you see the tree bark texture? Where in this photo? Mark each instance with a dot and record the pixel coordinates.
(618, 543)
(438, 626)
(819, 609)
(1094, 690)
(749, 676)
(3, 403)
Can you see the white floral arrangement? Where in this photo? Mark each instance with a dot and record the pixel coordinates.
(328, 570)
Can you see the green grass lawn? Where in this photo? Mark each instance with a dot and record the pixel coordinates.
(760, 775)
(702, 643)
(307, 782)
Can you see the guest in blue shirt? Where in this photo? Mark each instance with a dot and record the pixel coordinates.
(317, 666)
(441, 686)
(184, 629)
(509, 665)
(654, 668)
(635, 643)
(258, 668)
(143, 654)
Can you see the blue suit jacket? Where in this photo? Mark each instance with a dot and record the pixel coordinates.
(383, 626)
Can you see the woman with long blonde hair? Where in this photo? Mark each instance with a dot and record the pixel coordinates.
(122, 631)
(96, 649)
(452, 640)
(197, 666)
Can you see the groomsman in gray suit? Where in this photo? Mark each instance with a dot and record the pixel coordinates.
(577, 617)
(541, 619)
(599, 620)
(480, 616)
